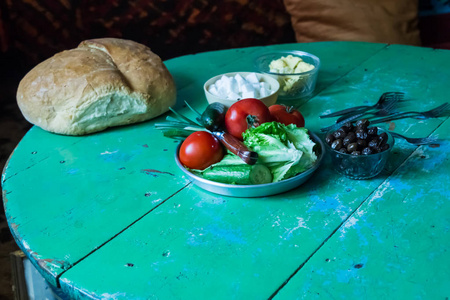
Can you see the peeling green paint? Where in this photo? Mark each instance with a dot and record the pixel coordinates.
(110, 215)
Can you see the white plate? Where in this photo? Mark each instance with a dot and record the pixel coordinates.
(258, 190)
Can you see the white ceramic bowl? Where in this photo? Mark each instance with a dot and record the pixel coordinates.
(269, 100)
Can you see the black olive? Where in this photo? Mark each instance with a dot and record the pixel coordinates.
(347, 127)
(352, 147)
(361, 134)
(339, 134)
(372, 131)
(356, 153)
(374, 143)
(367, 151)
(385, 147)
(337, 144)
(350, 138)
(329, 139)
(352, 134)
(345, 142)
(363, 123)
(361, 143)
(383, 138)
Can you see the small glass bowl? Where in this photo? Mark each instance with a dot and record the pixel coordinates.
(294, 85)
(360, 166)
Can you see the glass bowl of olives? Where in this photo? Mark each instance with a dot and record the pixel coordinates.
(357, 150)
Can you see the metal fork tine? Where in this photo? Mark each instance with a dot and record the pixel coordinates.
(445, 113)
(432, 113)
(445, 107)
(387, 97)
(390, 104)
(439, 108)
(350, 117)
(393, 96)
(417, 141)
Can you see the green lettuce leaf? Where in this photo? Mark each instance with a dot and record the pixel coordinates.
(286, 150)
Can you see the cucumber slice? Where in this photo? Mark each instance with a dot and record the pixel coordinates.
(260, 174)
(242, 174)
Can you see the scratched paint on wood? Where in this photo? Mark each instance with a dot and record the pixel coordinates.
(395, 245)
(187, 239)
(84, 179)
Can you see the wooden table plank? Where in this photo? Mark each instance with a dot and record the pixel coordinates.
(422, 73)
(89, 192)
(32, 150)
(55, 187)
(199, 243)
(396, 245)
(54, 196)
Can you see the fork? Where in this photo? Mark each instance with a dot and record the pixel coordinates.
(385, 110)
(416, 141)
(385, 97)
(440, 111)
(382, 112)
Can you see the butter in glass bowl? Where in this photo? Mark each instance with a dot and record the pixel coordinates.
(296, 72)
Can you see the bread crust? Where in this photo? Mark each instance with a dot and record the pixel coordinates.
(102, 83)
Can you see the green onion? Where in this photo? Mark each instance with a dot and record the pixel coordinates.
(180, 126)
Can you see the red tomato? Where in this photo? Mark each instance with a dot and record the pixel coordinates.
(200, 150)
(286, 115)
(244, 114)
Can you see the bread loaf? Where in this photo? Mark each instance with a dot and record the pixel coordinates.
(102, 83)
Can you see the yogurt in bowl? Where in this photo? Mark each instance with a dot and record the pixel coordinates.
(231, 87)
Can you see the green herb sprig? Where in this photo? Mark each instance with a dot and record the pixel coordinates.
(180, 126)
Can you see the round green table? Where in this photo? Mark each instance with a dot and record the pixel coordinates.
(110, 215)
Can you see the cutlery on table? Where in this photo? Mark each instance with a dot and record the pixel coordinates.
(379, 113)
(417, 141)
(440, 111)
(382, 102)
